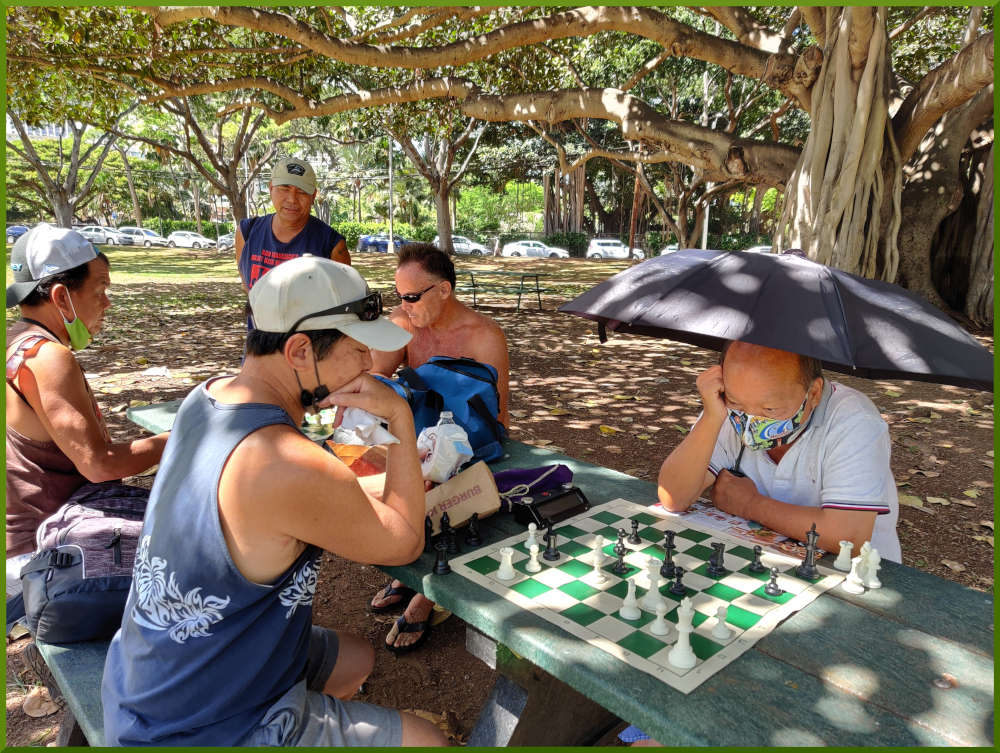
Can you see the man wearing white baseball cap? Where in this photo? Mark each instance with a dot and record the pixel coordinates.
(57, 443)
(263, 243)
(243, 506)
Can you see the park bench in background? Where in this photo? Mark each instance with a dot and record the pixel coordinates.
(527, 282)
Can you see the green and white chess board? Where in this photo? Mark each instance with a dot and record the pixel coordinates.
(567, 592)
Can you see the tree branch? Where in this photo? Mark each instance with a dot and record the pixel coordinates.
(815, 19)
(648, 67)
(947, 86)
(905, 26)
(747, 29)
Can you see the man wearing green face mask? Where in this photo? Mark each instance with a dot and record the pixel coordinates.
(779, 444)
(56, 438)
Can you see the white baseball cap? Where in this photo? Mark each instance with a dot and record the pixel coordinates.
(312, 293)
(43, 251)
(294, 172)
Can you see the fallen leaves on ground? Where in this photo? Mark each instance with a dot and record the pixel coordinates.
(38, 703)
(957, 567)
(445, 722)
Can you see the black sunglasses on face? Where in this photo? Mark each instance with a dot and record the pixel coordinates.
(368, 309)
(414, 297)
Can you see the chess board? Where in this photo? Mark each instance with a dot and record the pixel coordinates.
(567, 593)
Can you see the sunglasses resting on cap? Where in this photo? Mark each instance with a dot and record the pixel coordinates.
(368, 309)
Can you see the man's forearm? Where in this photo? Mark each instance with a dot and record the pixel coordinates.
(404, 481)
(682, 475)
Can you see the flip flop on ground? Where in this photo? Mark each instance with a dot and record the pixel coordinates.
(403, 592)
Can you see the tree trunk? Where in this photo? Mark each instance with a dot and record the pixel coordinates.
(196, 195)
(979, 299)
(62, 208)
(758, 200)
(443, 207)
(136, 207)
(842, 200)
(935, 187)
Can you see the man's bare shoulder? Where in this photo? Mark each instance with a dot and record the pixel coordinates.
(481, 324)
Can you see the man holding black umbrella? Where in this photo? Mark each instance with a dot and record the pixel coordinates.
(779, 444)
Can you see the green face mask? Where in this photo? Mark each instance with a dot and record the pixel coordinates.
(79, 335)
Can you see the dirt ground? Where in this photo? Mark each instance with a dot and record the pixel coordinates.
(624, 404)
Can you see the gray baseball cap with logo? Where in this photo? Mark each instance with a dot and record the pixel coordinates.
(43, 251)
(294, 172)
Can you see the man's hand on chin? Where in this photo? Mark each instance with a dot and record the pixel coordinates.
(734, 494)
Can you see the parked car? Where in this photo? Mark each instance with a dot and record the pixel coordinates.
(533, 248)
(226, 241)
(758, 250)
(139, 236)
(188, 239)
(379, 242)
(668, 249)
(102, 236)
(465, 246)
(611, 248)
(15, 231)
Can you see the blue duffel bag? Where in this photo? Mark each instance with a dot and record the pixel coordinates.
(463, 386)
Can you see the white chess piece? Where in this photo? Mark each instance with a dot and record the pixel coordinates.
(598, 559)
(660, 626)
(843, 561)
(682, 655)
(653, 597)
(533, 565)
(507, 571)
(721, 631)
(630, 607)
(852, 583)
(532, 529)
(869, 571)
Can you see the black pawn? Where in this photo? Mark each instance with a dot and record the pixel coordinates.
(428, 534)
(677, 587)
(441, 566)
(619, 567)
(551, 553)
(715, 567)
(472, 537)
(772, 588)
(756, 566)
(633, 537)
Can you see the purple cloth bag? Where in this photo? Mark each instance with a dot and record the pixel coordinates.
(516, 483)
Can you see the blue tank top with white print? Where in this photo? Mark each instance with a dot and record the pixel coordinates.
(202, 651)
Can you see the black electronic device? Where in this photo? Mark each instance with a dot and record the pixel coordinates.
(550, 506)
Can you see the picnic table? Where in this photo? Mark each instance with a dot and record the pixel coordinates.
(908, 664)
(527, 282)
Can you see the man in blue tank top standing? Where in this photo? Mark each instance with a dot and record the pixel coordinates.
(217, 645)
(263, 243)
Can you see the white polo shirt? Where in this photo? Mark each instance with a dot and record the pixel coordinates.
(840, 461)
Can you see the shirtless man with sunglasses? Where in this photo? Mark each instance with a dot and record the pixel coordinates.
(441, 325)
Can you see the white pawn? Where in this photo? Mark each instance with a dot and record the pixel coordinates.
(630, 607)
(653, 597)
(843, 561)
(507, 571)
(533, 565)
(532, 528)
(660, 626)
(869, 570)
(721, 630)
(598, 560)
(853, 583)
(682, 655)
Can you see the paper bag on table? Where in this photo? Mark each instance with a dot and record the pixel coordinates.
(472, 490)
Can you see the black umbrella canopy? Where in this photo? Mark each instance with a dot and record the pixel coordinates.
(856, 326)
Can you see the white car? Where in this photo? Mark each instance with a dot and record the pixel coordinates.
(534, 248)
(140, 236)
(465, 246)
(668, 249)
(611, 248)
(758, 250)
(102, 236)
(188, 239)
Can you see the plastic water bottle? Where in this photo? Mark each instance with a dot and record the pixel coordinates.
(447, 446)
(447, 417)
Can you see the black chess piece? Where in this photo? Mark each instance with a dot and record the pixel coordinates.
(677, 588)
(619, 567)
(620, 549)
(668, 567)
(808, 569)
(772, 588)
(548, 532)
(428, 534)
(551, 553)
(715, 567)
(441, 566)
(450, 539)
(634, 536)
(756, 566)
(472, 537)
(445, 523)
